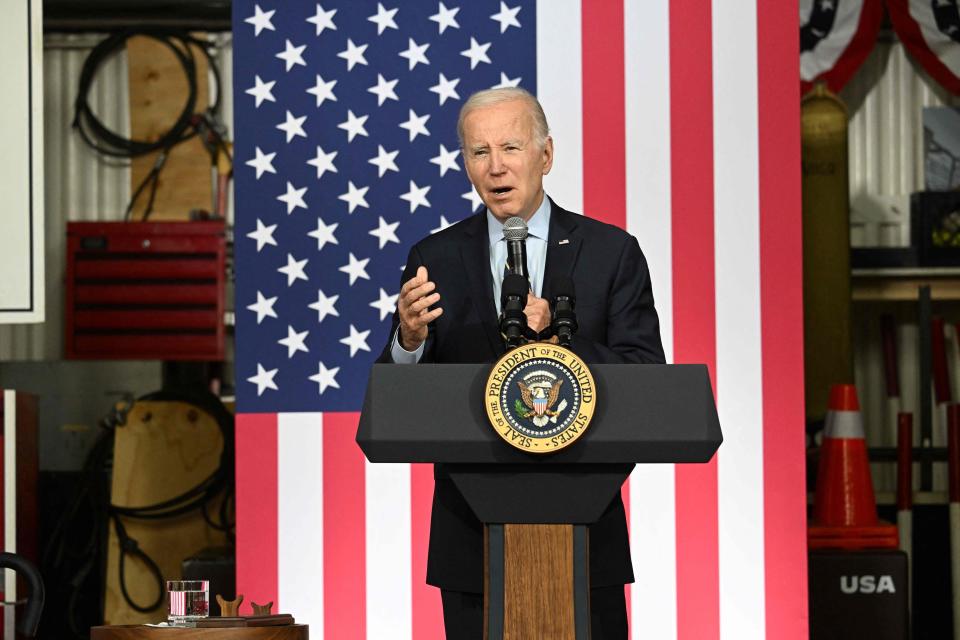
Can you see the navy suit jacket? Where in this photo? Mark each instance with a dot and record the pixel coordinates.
(618, 324)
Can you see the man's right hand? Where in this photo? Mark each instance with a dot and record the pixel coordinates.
(416, 296)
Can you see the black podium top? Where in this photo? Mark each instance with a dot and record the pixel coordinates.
(435, 413)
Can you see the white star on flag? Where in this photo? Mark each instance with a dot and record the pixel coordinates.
(385, 232)
(446, 18)
(355, 196)
(263, 235)
(263, 307)
(446, 160)
(353, 54)
(261, 90)
(293, 198)
(323, 162)
(294, 270)
(507, 17)
(416, 125)
(292, 55)
(260, 20)
(443, 225)
(384, 90)
(323, 19)
(385, 160)
(385, 304)
(357, 340)
(324, 233)
(324, 306)
(354, 126)
(384, 18)
(326, 378)
(475, 200)
(507, 82)
(415, 53)
(446, 88)
(323, 90)
(416, 196)
(262, 162)
(264, 379)
(477, 52)
(355, 268)
(294, 341)
(293, 126)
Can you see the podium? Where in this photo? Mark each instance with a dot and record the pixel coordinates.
(536, 508)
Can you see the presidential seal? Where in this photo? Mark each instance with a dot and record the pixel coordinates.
(540, 397)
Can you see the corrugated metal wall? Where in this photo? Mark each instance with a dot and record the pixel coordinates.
(80, 185)
(885, 101)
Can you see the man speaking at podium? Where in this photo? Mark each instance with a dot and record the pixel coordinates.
(447, 313)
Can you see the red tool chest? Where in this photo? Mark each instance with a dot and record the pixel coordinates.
(145, 290)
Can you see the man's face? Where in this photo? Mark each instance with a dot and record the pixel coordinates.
(503, 160)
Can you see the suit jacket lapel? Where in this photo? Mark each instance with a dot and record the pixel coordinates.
(563, 246)
(475, 252)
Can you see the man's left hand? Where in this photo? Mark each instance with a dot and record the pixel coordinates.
(538, 313)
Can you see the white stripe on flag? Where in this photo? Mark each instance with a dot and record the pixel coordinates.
(389, 599)
(647, 97)
(739, 368)
(300, 517)
(560, 91)
(647, 121)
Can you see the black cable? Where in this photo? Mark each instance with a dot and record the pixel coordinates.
(129, 546)
(187, 125)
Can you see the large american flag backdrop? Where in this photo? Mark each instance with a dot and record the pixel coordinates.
(678, 120)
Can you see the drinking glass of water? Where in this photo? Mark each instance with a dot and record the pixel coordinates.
(187, 601)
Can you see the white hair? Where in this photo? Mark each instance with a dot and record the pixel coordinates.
(490, 97)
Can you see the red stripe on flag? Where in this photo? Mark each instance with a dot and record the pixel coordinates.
(781, 318)
(256, 487)
(694, 308)
(604, 142)
(344, 529)
(427, 610)
(604, 128)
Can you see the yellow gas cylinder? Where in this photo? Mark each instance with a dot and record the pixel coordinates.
(826, 248)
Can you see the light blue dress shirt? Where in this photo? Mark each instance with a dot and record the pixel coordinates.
(538, 228)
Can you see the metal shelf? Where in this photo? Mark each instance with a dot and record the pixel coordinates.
(902, 284)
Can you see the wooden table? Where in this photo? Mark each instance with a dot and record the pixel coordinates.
(141, 632)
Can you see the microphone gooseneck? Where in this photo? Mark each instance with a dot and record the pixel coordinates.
(564, 317)
(513, 298)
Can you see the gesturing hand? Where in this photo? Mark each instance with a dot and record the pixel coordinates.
(414, 309)
(538, 313)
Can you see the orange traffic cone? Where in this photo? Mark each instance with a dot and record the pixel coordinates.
(844, 508)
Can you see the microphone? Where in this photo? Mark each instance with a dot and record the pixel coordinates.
(515, 233)
(513, 298)
(564, 317)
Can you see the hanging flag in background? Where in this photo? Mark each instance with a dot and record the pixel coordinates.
(930, 30)
(836, 36)
(346, 154)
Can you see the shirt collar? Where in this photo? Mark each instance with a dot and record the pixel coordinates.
(538, 225)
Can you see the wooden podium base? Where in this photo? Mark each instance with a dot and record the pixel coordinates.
(535, 581)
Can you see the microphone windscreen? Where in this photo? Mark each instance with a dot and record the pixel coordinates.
(562, 286)
(515, 228)
(514, 285)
